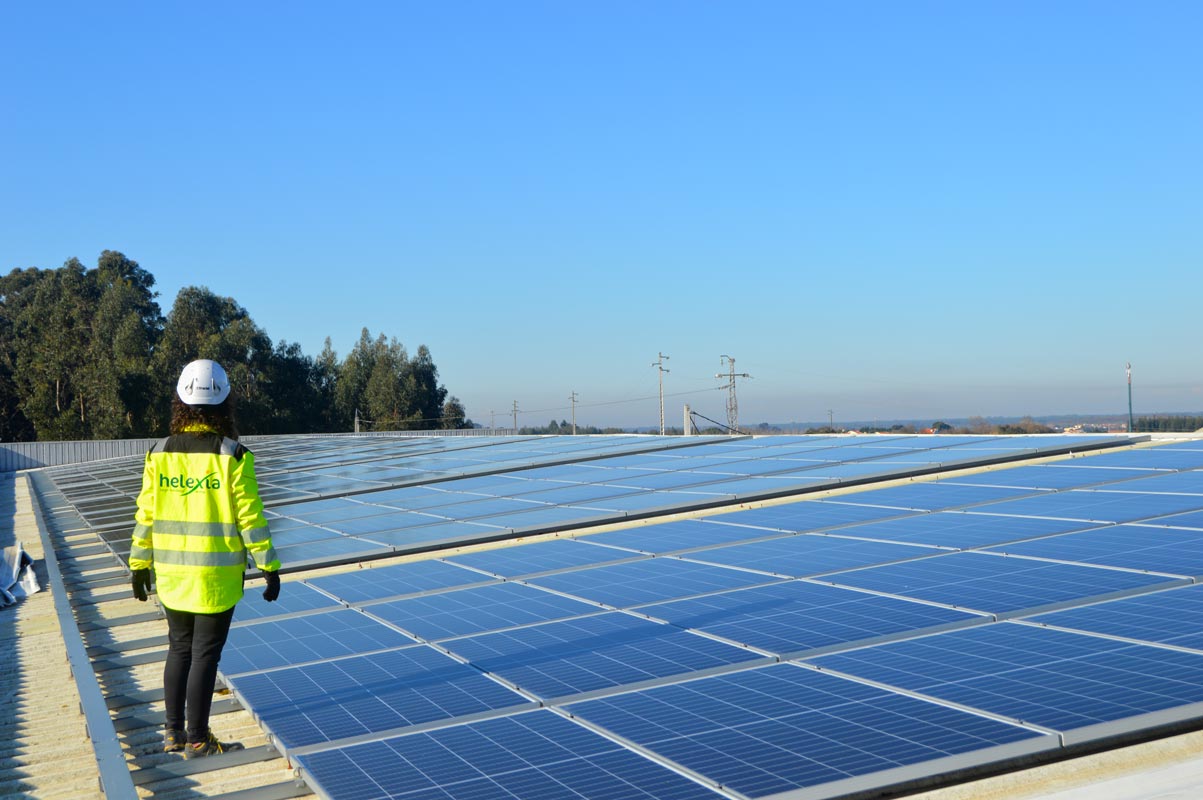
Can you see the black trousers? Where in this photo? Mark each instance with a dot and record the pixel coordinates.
(194, 645)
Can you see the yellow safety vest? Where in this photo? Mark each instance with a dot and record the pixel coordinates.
(199, 514)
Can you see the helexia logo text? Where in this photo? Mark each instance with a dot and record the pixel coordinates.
(186, 485)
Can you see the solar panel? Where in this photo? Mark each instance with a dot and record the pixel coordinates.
(1051, 476)
(998, 584)
(1173, 617)
(808, 554)
(380, 583)
(463, 612)
(807, 515)
(520, 757)
(648, 581)
(1097, 506)
(783, 728)
(795, 616)
(1155, 549)
(936, 495)
(537, 557)
(299, 640)
(585, 654)
(685, 534)
(1084, 686)
(295, 598)
(368, 694)
(960, 529)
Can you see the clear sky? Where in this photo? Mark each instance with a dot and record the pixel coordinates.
(882, 209)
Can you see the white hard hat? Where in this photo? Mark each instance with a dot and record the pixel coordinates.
(203, 383)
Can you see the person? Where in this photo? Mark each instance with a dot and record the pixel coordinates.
(198, 516)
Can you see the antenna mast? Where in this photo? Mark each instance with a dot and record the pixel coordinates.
(732, 402)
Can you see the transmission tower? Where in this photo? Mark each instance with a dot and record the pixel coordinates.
(732, 402)
(572, 399)
(659, 363)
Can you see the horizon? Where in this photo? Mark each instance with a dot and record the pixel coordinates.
(882, 211)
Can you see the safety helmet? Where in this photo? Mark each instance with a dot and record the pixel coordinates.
(203, 383)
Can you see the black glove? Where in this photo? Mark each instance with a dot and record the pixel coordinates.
(141, 584)
(273, 586)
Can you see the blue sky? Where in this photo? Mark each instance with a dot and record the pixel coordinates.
(889, 210)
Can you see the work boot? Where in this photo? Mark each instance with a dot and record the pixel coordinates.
(174, 741)
(210, 747)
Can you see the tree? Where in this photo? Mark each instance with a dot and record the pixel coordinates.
(454, 417)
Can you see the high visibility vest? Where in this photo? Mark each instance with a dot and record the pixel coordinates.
(199, 514)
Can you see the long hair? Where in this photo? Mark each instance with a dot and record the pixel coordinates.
(219, 417)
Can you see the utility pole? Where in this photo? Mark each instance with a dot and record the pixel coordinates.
(572, 399)
(732, 402)
(830, 419)
(492, 421)
(659, 364)
(515, 416)
(1129, 397)
(688, 421)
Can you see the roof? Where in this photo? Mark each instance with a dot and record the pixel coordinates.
(125, 645)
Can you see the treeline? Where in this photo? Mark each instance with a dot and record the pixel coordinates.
(1166, 424)
(87, 354)
(564, 428)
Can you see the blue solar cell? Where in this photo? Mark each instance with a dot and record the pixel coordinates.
(395, 580)
(793, 616)
(546, 517)
(960, 529)
(321, 511)
(1051, 476)
(996, 584)
(423, 537)
(521, 757)
(1097, 506)
(1057, 679)
(781, 728)
(583, 654)
(807, 515)
(1192, 519)
(528, 559)
(300, 534)
(295, 598)
(1172, 617)
(299, 640)
(668, 537)
(1160, 457)
(1189, 482)
(808, 554)
(329, 550)
(333, 700)
(484, 608)
(1155, 549)
(934, 495)
(585, 494)
(650, 581)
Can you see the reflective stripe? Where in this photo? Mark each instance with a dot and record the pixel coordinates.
(266, 558)
(141, 553)
(141, 531)
(185, 528)
(255, 535)
(190, 559)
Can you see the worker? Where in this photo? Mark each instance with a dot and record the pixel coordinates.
(198, 516)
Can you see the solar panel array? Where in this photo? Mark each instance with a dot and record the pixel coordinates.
(818, 647)
(815, 647)
(343, 500)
